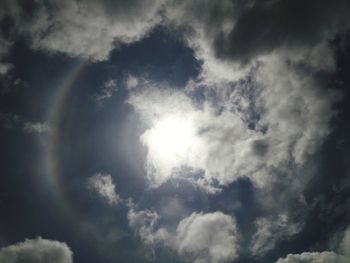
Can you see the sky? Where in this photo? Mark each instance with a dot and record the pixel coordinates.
(174, 131)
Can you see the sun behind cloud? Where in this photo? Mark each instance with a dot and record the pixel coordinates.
(171, 142)
(171, 138)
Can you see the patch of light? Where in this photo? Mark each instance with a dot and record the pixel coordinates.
(171, 138)
(170, 142)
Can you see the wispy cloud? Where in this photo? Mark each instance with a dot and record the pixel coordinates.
(108, 90)
(103, 185)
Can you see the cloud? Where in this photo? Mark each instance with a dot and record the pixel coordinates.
(312, 257)
(37, 127)
(228, 36)
(266, 122)
(260, 107)
(270, 231)
(37, 250)
(210, 237)
(342, 256)
(144, 224)
(89, 29)
(103, 185)
(247, 128)
(13, 121)
(199, 237)
(106, 93)
(131, 82)
(5, 46)
(231, 36)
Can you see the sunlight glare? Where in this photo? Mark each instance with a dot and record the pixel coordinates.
(170, 139)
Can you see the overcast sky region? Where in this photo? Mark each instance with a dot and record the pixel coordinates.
(200, 131)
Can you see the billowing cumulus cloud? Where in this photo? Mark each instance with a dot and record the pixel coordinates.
(199, 237)
(103, 185)
(37, 250)
(210, 237)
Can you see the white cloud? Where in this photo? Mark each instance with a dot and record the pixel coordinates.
(210, 237)
(104, 187)
(200, 237)
(265, 126)
(293, 121)
(90, 29)
(37, 250)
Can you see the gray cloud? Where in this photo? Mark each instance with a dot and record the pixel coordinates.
(14, 121)
(5, 45)
(271, 230)
(264, 26)
(230, 36)
(36, 127)
(340, 256)
(312, 257)
(144, 224)
(37, 250)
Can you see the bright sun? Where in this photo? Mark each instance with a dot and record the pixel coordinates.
(171, 139)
